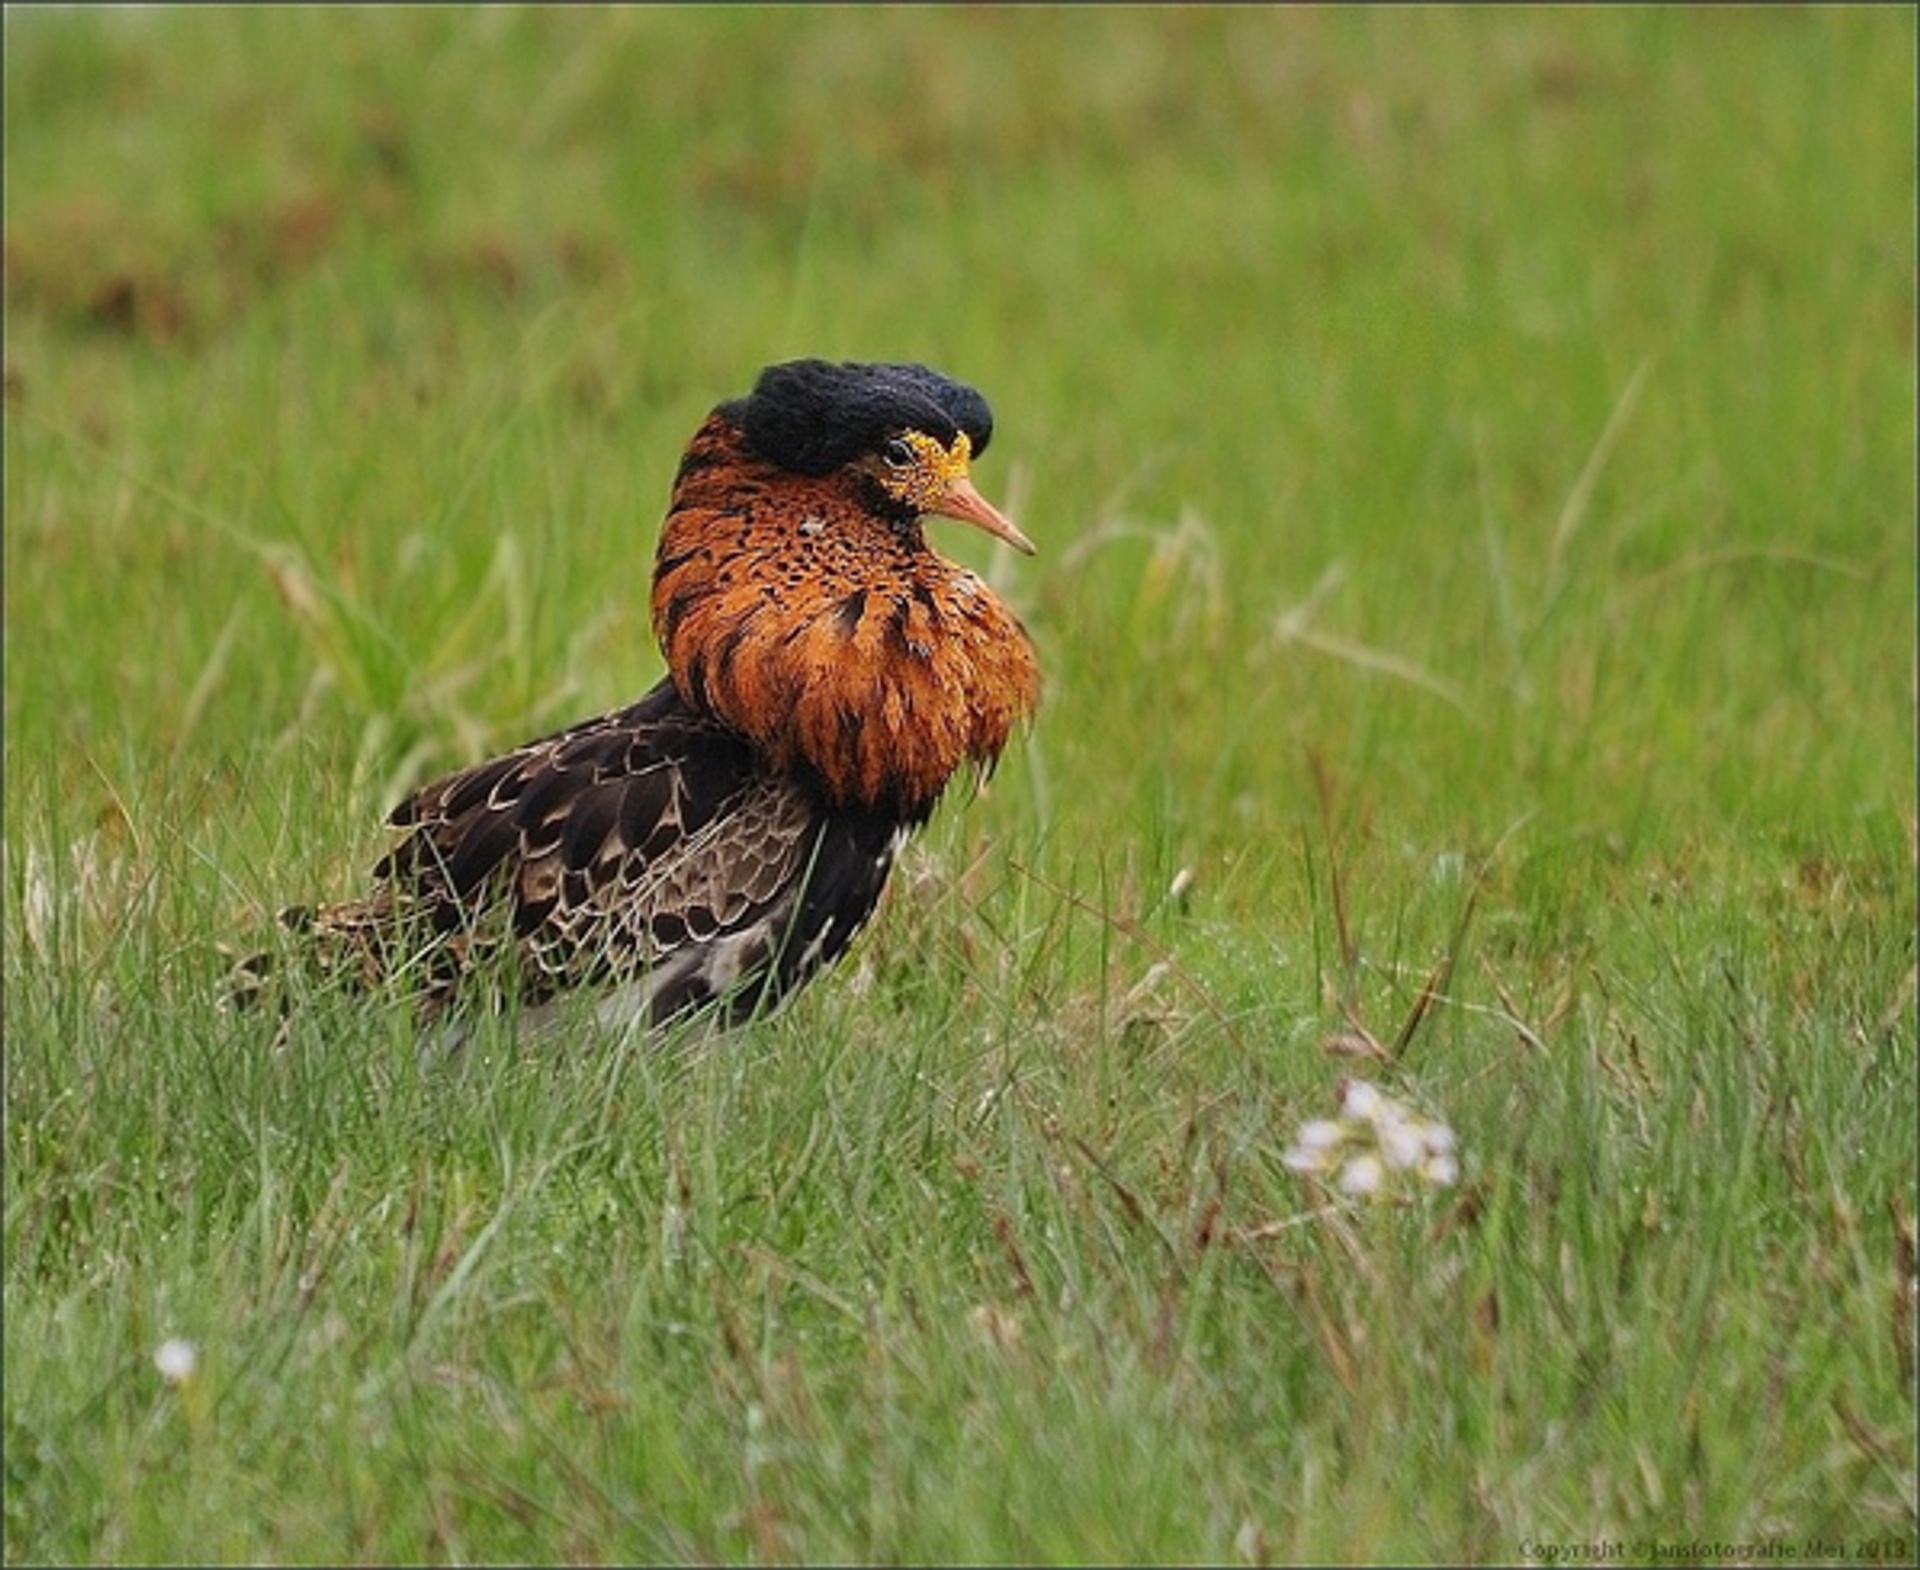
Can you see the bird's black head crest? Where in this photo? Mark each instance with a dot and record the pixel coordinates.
(812, 416)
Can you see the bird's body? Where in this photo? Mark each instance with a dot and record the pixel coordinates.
(713, 845)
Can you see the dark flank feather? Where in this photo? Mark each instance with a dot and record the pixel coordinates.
(715, 844)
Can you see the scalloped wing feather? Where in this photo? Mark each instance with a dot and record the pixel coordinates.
(644, 850)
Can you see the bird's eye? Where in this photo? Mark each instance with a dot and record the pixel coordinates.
(899, 453)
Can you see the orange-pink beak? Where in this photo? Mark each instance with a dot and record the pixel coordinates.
(964, 502)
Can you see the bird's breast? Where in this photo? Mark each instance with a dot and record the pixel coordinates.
(882, 673)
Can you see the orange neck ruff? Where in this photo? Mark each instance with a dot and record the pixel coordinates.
(831, 637)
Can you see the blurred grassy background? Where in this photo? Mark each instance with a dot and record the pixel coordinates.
(1460, 442)
(1281, 312)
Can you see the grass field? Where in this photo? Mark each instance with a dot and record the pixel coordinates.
(1472, 454)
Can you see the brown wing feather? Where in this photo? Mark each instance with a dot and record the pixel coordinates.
(645, 847)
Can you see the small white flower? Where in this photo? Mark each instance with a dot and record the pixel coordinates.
(1314, 1146)
(1321, 1134)
(1363, 1175)
(1442, 1171)
(176, 1360)
(1402, 1142)
(1362, 1100)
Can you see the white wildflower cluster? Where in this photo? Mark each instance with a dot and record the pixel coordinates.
(1373, 1142)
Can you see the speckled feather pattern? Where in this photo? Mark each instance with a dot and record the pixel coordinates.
(836, 639)
(644, 847)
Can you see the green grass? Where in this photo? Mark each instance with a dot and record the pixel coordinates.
(1472, 456)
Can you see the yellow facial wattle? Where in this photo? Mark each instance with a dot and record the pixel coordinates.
(924, 483)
